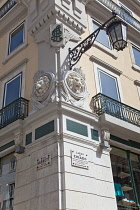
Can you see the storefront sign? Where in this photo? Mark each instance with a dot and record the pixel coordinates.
(79, 159)
(43, 162)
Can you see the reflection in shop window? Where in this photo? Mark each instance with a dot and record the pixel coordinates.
(13, 164)
(0, 168)
(135, 162)
(126, 175)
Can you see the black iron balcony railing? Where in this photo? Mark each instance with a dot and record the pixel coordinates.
(121, 12)
(14, 111)
(103, 104)
(6, 7)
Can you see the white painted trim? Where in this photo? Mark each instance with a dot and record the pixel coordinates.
(96, 66)
(137, 83)
(136, 67)
(105, 65)
(13, 69)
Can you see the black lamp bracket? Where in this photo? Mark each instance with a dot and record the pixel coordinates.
(76, 53)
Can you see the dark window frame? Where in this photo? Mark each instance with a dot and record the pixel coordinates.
(5, 87)
(22, 26)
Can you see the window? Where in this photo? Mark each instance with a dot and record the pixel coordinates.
(12, 90)
(136, 55)
(108, 85)
(8, 203)
(13, 164)
(102, 36)
(16, 38)
(0, 168)
(11, 93)
(0, 196)
(126, 173)
(11, 190)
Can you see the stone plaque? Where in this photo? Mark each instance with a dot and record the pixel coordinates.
(79, 159)
(57, 35)
(43, 162)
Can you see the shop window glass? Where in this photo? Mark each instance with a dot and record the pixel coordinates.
(135, 162)
(122, 180)
(0, 168)
(13, 164)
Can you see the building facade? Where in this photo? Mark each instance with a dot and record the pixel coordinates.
(69, 124)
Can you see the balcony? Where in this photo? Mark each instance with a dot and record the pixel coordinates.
(6, 7)
(14, 111)
(121, 12)
(102, 104)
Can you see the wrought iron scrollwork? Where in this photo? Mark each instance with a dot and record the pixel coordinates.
(76, 53)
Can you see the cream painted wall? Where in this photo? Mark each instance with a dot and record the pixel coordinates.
(122, 62)
(30, 52)
(2, 2)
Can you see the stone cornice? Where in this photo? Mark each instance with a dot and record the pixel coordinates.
(24, 2)
(61, 15)
(106, 65)
(13, 68)
(17, 13)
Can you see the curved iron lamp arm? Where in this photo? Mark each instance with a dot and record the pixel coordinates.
(76, 53)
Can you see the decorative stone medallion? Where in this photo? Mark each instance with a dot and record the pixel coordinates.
(43, 89)
(41, 86)
(75, 84)
(74, 87)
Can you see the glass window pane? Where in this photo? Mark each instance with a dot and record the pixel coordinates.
(135, 162)
(122, 179)
(12, 90)
(102, 36)
(136, 56)
(17, 38)
(108, 85)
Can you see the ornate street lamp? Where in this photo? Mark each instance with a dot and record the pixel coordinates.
(117, 32)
